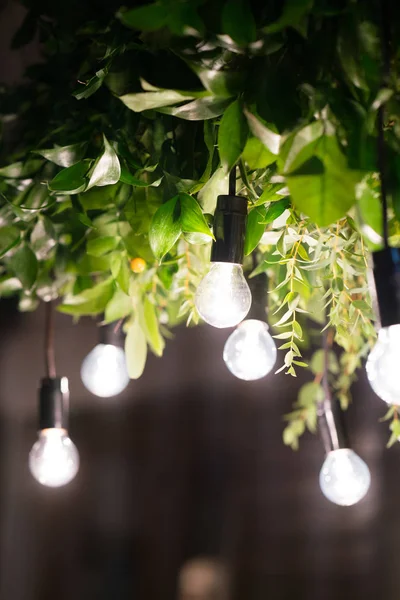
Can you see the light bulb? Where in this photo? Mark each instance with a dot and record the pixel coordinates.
(104, 371)
(344, 478)
(223, 297)
(250, 351)
(382, 365)
(54, 459)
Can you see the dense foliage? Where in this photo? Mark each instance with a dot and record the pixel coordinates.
(114, 151)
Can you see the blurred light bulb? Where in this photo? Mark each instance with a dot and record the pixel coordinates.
(223, 297)
(54, 459)
(250, 351)
(382, 365)
(104, 371)
(344, 478)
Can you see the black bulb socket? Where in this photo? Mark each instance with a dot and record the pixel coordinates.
(259, 288)
(112, 334)
(53, 403)
(386, 272)
(229, 229)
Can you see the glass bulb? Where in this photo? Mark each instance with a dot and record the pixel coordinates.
(223, 297)
(104, 371)
(344, 478)
(54, 459)
(250, 351)
(382, 365)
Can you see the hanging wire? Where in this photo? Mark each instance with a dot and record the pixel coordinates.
(326, 421)
(49, 354)
(232, 181)
(385, 34)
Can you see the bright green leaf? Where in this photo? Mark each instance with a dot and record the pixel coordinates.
(199, 109)
(70, 180)
(165, 228)
(118, 307)
(192, 218)
(90, 302)
(25, 266)
(154, 338)
(151, 100)
(232, 135)
(325, 197)
(64, 156)
(260, 130)
(135, 350)
(102, 245)
(254, 229)
(107, 169)
(257, 155)
(9, 237)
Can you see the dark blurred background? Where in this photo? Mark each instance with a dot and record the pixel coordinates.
(185, 491)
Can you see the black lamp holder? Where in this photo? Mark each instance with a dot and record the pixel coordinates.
(112, 334)
(53, 391)
(229, 226)
(385, 262)
(53, 403)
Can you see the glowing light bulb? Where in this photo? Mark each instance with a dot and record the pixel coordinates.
(104, 371)
(54, 459)
(344, 478)
(383, 363)
(250, 351)
(223, 297)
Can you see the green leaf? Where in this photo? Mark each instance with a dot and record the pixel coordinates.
(260, 130)
(220, 82)
(257, 155)
(238, 22)
(124, 276)
(90, 302)
(165, 228)
(102, 245)
(118, 307)
(300, 146)
(370, 207)
(64, 156)
(192, 218)
(107, 169)
(149, 17)
(254, 229)
(94, 83)
(25, 266)
(70, 180)
(151, 100)
(154, 338)
(232, 135)
(21, 170)
(275, 210)
(135, 350)
(9, 237)
(325, 197)
(310, 393)
(293, 12)
(199, 109)
(215, 186)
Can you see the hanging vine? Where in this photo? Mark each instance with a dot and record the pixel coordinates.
(115, 149)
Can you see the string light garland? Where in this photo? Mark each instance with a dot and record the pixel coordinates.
(250, 352)
(382, 363)
(54, 458)
(103, 370)
(344, 478)
(223, 297)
